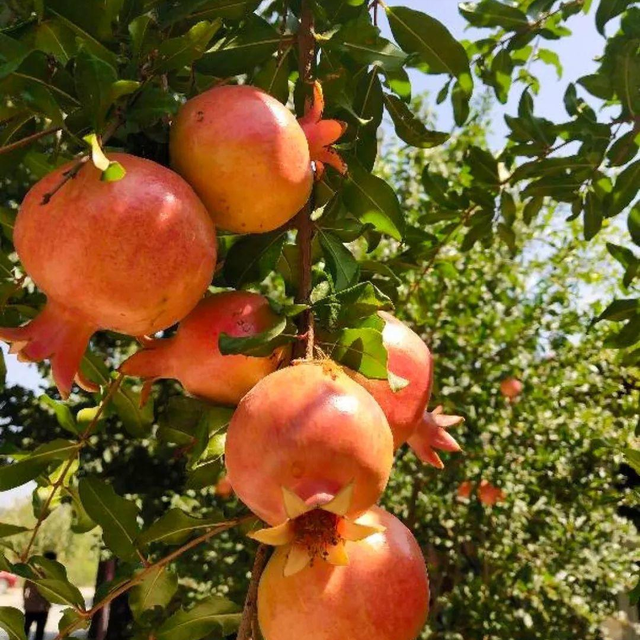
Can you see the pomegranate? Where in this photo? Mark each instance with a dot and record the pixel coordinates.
(464, 490)
(312, 430)
(192, 355)
(409, 358)
(511, 388)
(223, 488)
(133, 256)
(431, 433)
(247, 156)
(382, 594)
(490, 495)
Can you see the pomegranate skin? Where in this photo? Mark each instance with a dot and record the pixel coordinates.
(245, 155)
(511, 388)
(410, 358)
(133, 256)
(382, 594)
(192, 356)
(311, 429)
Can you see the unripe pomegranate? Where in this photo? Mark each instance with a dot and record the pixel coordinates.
(312, 430)
(132, 256)
(382, 594)
(511, 388)
(409, 358)
(247, 156)
(192, 356)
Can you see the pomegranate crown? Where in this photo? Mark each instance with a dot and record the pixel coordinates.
(431, 434)
(314, 531)
(321, 134)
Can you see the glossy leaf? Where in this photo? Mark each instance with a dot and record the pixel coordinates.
(215, 617)
(409, 128)
(12, 622)
(156, 590)
(176, 527)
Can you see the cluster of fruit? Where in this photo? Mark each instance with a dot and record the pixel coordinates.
(310, 446)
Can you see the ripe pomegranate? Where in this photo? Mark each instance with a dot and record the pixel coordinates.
(312, 430)
(132, 256)
(383, 593)
(192, 355)
(511, 388)
(223, 488)
(464, 490)
(490, 495)
(409, 358)
(431, 433)
(247, 156)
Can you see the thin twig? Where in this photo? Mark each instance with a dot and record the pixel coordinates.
(7, 148)
(113, 387)
(245, 632)
(138, 578)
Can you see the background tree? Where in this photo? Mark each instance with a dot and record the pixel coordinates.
(451, 237)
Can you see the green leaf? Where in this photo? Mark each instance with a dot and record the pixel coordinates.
(12, 621)
(460, 102)
(151, 104)
(347, 307)
(71, 616)
(260, 345)
(501, 70)
(362, 42)
(8, 530)
(491, 13)
(176, 53)
(60, 592)
(531, 209)
(241, 51)
(373, 201)
(156, 590)
(409, 128)
(274, 77)
(176, 10)
(12, 54)
(116, 516)
(551, 58)
(216, 617)
(625, 189)
(620, 310)
(626, 78)
(627, 337)
(62, 413)
(592, 216)
(360, 349)
(56, 39)
(484, 167)
(508, 208)
(341, 264)
(252, 258)
(176, 527)
(633, 224)
(624, 149)
(609, 9)
(430, 40)
(26, 469)
(94, 78)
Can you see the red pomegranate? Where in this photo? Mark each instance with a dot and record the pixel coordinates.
(247, 156)
(511, 388)
(311, 430)
(192, 355)
(464, 490)
(382, 594)
(409, 358)
(490, 495)
(132, 256)
(223, 488)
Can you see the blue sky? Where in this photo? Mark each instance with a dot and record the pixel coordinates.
(576, 52)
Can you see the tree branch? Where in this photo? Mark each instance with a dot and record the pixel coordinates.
(245, 632)
(113, 387)
(7, 148)
(138, 578)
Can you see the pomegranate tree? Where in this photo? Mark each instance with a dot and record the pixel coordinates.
(233, 138)
(381, 594)
(312, 430)
(133, 256)
(192, 356)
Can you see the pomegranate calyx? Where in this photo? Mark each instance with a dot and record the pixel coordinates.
(321, 134)
(315, 531)
(431, 434)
